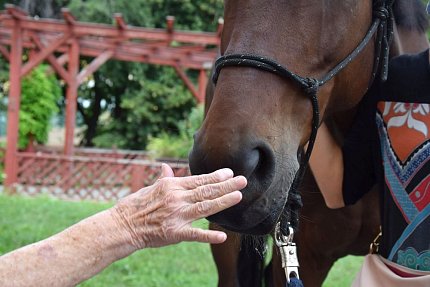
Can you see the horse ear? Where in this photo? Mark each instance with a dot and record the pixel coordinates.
(166, 171)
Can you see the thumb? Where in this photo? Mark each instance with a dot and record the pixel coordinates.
(166, 171)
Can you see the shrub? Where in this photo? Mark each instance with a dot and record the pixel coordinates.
(39, 95)
(178, 146)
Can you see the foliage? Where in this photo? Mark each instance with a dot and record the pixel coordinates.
(40, 92)
(2, 155)
(190, 14)
(140, 101)
(167, 145)
(157, 105)
(4, 83)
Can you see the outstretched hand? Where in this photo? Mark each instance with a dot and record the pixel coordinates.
(162, 213)
(157, 215)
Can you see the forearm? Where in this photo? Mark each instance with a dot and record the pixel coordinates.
(69, 257)
(326, 164)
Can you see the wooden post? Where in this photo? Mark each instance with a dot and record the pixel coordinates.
(71, 97)
(188, 83)
(11, 164)
(203, 82)
(136, 177)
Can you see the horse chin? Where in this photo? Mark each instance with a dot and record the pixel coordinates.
(256, 218)
(264, 227)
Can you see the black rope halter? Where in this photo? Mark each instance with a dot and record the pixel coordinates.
(382, 26)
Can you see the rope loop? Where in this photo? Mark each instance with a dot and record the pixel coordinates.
(312, 86)
(381, 13)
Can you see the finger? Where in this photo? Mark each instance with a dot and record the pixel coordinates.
(212, 191)
(191, 182)
(209, 207)
(166, 171)
(205, 236)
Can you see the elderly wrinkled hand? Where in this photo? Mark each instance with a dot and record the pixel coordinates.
(154, 216)
(162, 214)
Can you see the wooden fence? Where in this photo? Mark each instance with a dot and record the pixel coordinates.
(90, 174)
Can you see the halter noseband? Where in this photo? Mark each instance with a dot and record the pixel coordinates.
(382, 26)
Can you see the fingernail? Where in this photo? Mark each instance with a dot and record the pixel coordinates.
(238, 194)
(221, 237)
(228, 173)
(241, 179)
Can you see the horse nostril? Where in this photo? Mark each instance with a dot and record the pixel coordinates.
(249, 163)
(256, 164)
(254, 161)
(266, 164)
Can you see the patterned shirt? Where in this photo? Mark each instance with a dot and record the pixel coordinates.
(389, 145)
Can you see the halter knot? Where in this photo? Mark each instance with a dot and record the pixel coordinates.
(311, 86)
(381, 13)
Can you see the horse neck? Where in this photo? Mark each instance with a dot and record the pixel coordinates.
(406, 41)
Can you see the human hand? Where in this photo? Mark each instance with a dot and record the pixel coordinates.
(162, 213)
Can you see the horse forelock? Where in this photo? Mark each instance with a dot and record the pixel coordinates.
(411, 15)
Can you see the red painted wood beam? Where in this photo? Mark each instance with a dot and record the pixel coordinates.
(81, 29)
(51, 59)
(220, 27)
(43, 54)
(186, 62)
(119, 20)
(63, 59)
(16, 12)
(168, 56)
(71, 97)
(148, 48)
(187, 57)
(141, 52)
(94, 65)
(193, 57)
(68, 16)
(109, 159)
(3, 15)
(11, 165)
(170, 24)
(188, 83)
(203, 82)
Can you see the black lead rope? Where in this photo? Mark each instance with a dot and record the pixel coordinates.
(382, 26)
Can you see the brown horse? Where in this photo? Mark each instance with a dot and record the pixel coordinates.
(257, 123)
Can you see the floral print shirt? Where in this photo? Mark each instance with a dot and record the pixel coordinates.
(389, 145)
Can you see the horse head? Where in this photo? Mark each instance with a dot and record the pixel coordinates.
(257, 123)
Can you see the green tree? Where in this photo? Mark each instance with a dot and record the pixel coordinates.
(178, 146)
(39, 95)
(127, 103)
(157, 105)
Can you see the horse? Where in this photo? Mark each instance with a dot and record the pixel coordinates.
(257, 123)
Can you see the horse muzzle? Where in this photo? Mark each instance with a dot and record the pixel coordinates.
(264, 197)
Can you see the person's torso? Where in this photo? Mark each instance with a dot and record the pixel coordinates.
(403, 127)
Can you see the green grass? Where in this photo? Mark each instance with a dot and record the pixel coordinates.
(343, 272)
(25, 220)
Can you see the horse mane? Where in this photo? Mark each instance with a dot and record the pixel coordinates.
(411, 15)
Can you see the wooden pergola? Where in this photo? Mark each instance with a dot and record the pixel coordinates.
(61, 43)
